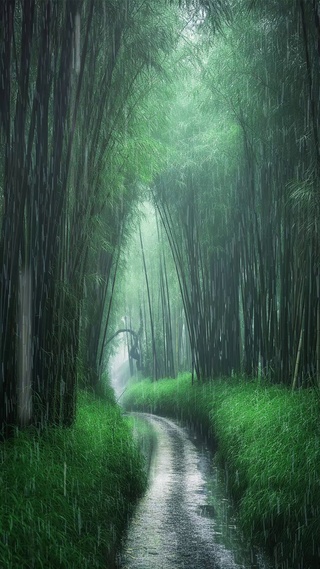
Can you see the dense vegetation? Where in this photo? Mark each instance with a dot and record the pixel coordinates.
(73, 131)
(268, 441)
(238, 199)
(159, 177)
(66, 494)
(107, 104)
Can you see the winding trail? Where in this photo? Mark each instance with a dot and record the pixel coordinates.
(175, 525)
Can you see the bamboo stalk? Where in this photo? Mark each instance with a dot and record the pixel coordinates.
(296, 367)
(318, 331)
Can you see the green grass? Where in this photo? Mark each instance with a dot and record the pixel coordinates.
(268, 440)
(66, 494)
(145, 436)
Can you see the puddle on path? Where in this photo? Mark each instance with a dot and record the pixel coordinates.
(185, 520)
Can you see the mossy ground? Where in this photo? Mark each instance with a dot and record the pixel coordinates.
(269, 441)
(66, 493)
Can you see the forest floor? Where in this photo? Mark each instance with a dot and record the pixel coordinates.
(268, 440)
(66, 493)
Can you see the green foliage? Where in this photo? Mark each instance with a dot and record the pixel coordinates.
(129, 156)
(66, 494)
(268, 440)
(239, 193)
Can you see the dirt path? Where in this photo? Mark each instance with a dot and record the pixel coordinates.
(174, 526)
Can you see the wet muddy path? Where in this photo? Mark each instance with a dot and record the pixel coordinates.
(184, 521)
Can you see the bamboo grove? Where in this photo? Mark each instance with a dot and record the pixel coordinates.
(72, 77)
(151, 300)
(238, 198)
(105, 104)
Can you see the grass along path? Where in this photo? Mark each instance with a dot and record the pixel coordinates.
(269, 441)
(66, 494)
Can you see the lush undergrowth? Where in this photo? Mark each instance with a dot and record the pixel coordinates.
(66, 494)
(145, 436)
(269, 441)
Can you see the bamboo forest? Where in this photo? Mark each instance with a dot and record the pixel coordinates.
(160, 284)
